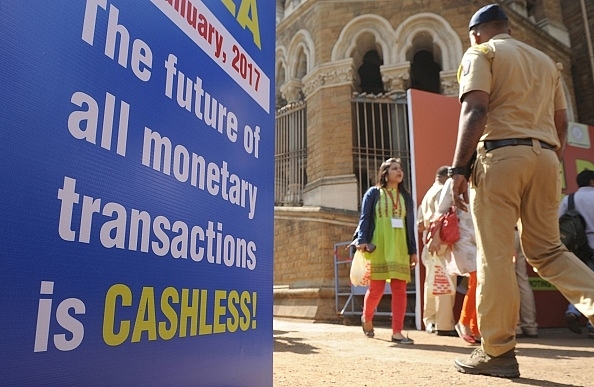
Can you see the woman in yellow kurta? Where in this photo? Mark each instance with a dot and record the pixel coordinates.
(386, 235)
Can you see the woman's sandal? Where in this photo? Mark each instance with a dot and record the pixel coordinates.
(404, 340)
(369, 333)
(469, 339)
(464, 335)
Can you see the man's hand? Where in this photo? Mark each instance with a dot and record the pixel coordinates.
(421, 227)
(460, 192)
(362, 247)
(434, 245)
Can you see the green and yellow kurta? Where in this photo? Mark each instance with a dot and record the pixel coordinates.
(390, 259)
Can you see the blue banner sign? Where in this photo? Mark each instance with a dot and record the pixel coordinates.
(137, 164)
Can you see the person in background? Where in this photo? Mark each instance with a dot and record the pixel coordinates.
(527, 325)
(425, 213)
(386, 233)
(514, 116)
(461, 261)
(584, 204)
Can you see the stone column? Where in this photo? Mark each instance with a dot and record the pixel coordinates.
(449, 82)
(396, 77)
(331, 182)
(291, 90)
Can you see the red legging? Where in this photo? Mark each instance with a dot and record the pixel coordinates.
(374, 295)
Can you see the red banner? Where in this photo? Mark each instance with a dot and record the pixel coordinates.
(434, 127)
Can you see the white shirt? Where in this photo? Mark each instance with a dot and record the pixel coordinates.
(463, 251)
(428, 206)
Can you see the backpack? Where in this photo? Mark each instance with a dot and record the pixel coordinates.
(572, 229)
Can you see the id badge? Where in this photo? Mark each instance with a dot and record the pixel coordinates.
(397, 223)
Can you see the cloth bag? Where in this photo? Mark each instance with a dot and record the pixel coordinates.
(440, 282)
(360, 274)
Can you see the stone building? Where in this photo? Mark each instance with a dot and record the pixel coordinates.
(342, 71)
(578, 16)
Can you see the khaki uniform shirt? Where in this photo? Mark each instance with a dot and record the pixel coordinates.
(524, 87)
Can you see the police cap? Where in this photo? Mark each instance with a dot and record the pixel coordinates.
(486, 14)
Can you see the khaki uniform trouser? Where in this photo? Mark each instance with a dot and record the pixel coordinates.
(511, 183)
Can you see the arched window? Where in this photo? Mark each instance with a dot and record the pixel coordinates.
(369, 73)
(425, 72)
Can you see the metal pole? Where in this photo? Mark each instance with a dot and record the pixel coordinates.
(588, 37)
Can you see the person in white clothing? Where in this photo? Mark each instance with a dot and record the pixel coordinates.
(527, 325)
(437, 311)
(461, 261)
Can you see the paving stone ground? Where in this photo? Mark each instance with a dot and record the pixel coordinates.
(320, 354)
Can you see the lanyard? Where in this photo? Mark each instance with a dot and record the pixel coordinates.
(395, 203)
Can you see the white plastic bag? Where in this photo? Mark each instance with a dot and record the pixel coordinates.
(440, 282)
(360, 270)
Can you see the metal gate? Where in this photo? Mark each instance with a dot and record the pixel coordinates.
(380, 131)
(290, 152)
(348, 297)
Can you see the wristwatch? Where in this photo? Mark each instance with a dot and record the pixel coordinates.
(457, 171)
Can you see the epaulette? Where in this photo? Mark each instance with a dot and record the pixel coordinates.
(485, 49)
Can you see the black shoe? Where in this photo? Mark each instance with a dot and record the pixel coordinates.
(573, 323)
(481, 363)
(524, 335)
(591, 334)
(370, 333)
(452, 333)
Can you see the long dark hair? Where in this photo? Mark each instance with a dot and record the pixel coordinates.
(382, 175)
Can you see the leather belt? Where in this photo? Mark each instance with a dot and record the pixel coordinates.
(494, 144)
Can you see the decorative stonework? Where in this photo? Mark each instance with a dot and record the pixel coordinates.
(556, 30)
(396, 77)
(375, 25)
(291, 90)
(332, 74)
(442, 35)
(293, 63)
(301, 44)
(449, 82)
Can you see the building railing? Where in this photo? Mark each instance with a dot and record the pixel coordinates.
(290, 154)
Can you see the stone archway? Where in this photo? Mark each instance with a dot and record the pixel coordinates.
(433, 33)
(299, 61)
(354, 33)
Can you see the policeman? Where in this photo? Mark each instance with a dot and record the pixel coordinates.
(514, 114)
